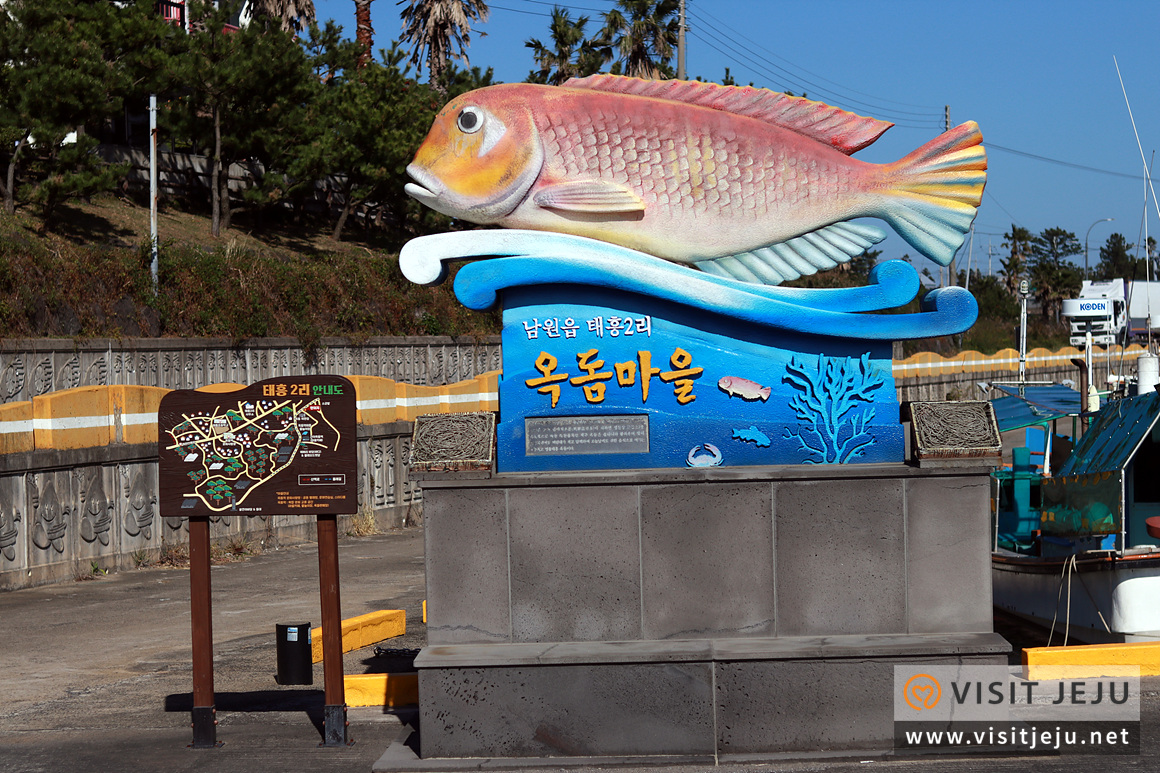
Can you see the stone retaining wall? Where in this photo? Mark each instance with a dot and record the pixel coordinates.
(33, 367)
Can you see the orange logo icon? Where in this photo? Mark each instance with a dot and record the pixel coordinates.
(922, 691)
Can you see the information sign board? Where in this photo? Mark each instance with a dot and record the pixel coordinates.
(281, 446)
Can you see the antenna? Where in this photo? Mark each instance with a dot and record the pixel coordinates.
(1144, 161)
(1147, 178)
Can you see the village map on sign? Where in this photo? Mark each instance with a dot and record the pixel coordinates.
(279, 446)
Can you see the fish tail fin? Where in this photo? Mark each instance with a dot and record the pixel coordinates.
(933, 193)
(764, 392)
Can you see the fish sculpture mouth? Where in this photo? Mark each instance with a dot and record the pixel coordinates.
(434, 193)
(426, 187)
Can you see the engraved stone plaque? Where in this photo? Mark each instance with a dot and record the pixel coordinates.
(566, 435)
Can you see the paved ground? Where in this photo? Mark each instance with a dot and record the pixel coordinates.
(95, 676)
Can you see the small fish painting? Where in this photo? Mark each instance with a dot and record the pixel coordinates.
(752, 435)
(735, 386)
(742, 182)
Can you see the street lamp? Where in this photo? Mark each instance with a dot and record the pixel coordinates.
(1085, 243)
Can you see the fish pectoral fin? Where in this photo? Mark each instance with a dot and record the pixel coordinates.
(803, 255)
(589, 196)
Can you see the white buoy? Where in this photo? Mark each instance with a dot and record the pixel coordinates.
(1147, 373)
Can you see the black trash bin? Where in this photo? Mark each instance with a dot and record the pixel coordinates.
(295, 662)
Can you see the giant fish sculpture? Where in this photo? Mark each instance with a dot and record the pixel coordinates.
(741, 182)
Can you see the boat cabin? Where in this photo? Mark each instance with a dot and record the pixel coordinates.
(1098, 499)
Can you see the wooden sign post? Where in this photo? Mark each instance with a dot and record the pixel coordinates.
(284, 445)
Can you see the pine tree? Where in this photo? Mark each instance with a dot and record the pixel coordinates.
(244, 92)
(1053, 277)
(66, 67)
(363, 127)
(1116, 261)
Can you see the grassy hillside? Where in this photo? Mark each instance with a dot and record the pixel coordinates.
(90, 278)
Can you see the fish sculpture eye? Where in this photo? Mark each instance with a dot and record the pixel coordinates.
(470, 120)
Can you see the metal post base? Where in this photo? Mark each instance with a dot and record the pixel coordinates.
(335, 728)
(204, 727)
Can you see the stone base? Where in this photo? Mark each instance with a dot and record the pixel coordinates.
(688, 699)
(694, 614)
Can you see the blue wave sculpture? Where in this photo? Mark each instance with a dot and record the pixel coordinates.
(616, 359)
(533, 258)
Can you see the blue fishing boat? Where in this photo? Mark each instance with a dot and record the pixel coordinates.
(1073, 549)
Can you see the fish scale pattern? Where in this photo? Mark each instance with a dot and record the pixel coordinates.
(687, 174)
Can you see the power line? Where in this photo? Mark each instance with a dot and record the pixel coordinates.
(991, 196)
(1025, 154)
(926, 108)
(730, 35)
(897, 120)
(713, 38)
(556, 5)
(492, 6)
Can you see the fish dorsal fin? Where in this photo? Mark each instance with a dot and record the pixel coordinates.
(842, 130)
(803, 255)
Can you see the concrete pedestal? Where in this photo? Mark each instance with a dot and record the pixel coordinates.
(695, 613)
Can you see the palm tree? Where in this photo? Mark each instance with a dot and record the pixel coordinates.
(1018, 240)
(431, 27)
(573, 55)
(364, 33)
(644, 34)
(292, 15)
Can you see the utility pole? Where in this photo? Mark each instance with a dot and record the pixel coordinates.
(970, 256)
(952, 274)
(681, 45)
(1023, 291)
(153, 264)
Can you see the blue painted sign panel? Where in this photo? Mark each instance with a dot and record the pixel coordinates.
(719, 393)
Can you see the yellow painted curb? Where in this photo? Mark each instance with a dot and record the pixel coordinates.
(1087, 661)
(381, 689)
(363, 631)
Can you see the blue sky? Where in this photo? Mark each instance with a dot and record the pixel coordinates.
(1037, 76)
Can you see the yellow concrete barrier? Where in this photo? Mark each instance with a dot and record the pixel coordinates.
(94, 416)
(381, 689)
(1090, 661)
(134, 412)
(16, 428)
(72, 418)
(924, 364)
(363, 631)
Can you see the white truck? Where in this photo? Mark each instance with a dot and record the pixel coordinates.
(1117, 312)
(1100, 310)
(1143, 310)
